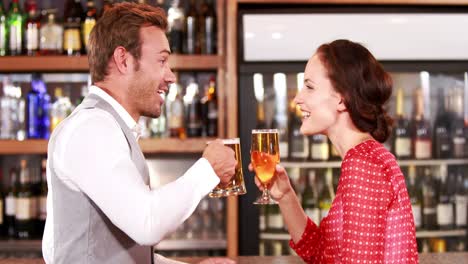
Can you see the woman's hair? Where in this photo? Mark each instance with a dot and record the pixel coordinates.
(363, 83)
(120, 26)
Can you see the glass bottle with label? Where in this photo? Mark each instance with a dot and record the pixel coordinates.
(15, 27)
(207, 29)
(445, 209)
(72, 41)
(210, 109)
(275, 222)
(194, 118)
(401, 133)
(3, 30)
(10, 203)
(429, 201)
(310, 198)
(422, 141)
(60, 109)
(458, 131)
(415, 195)
(319, 149)
(51, 36)
(89, 22)
(175, 20)
(326, 195)
(43, 195)
(461, 198)
(442, 139)
(24, 204)
(33, 26)
(192, 45)
(175, 112)
(158, 126)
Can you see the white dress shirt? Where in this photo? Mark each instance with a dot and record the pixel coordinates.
(92, 155)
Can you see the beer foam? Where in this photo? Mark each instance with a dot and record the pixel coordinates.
(264, 131)
(231, 141)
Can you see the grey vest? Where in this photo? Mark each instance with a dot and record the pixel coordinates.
(82, 232)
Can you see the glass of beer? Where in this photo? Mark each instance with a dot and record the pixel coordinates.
(236, 185)
(265, 155)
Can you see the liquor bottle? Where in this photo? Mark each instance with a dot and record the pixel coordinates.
(24, 204)
(207, 219)
(259, 96)
(401, 133)
(429, 193)
(158, 126)
(275, 222)
(192, 45)
(207, 28)
(310, 198)
(445, 210)
(18, 111)
(194, 118)
(298, 144)
(263, 217)
(6, 111)
(3, 223)
(88, 22)
(422, 142)
(33, 26)
(176, 20)
(210, 109)
(442, 141)
(280, 120)
(60, 109)
(415, 195)
(51, 36)
(15, 26)
(72, 41)
(319, 149)
(43, 196)
(326, 195)
(3, 30)
(37, 105)
(461, 199)
(458, 136)
(175, 112)
(10, 203)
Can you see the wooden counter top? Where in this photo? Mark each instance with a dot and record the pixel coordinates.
(436, 258)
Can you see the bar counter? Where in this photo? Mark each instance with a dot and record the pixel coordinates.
(428, 258)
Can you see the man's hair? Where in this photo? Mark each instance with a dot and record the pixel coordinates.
(120, 26)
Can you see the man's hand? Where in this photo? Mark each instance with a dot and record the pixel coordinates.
(222, 159)
(217, 261)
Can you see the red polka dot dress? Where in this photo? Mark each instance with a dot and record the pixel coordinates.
(370, 220)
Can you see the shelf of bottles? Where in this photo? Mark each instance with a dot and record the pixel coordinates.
(430, 147)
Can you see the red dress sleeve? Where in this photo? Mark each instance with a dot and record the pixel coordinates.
(307, 247)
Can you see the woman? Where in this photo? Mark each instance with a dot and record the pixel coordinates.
(370, 220)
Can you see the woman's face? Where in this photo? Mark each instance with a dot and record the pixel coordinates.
(319, 102)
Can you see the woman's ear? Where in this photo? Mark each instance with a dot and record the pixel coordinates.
(341, 105)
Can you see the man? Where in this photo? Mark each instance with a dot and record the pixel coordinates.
(100, 206)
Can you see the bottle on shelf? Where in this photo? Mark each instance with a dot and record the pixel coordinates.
(15, 27)
(158, 126)
(461, 199)
(10, 203)
(7, 110)
(18, 113)
(298, 146)
(415, 194)
(175, 31)
(72, 41)
(327, 194)
(429, 212)
(280, 121)
(319, 149)
(51, 36)
(207, 28)
(263, 217)
(3, 224)
(3, 30)
(207, 219)
(458, 137)
(60, 109)
(33, 25)
(175, 112)
(401, 133)
(445, 210)
(191, 41)
(42, 210)
(310, 197)
(275, 223)
(422, 141)
(89, 21)
(210, 109)
(442, 148)
(259, 92)
(37, 105)
(24, 212)
(194, 110)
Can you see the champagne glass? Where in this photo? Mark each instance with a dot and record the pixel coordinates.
(265, 155)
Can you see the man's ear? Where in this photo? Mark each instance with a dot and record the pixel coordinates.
(120, 58)
(341, 105)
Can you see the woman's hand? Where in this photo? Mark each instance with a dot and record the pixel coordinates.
(279, 185)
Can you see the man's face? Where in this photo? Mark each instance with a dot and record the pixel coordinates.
(152, 77)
